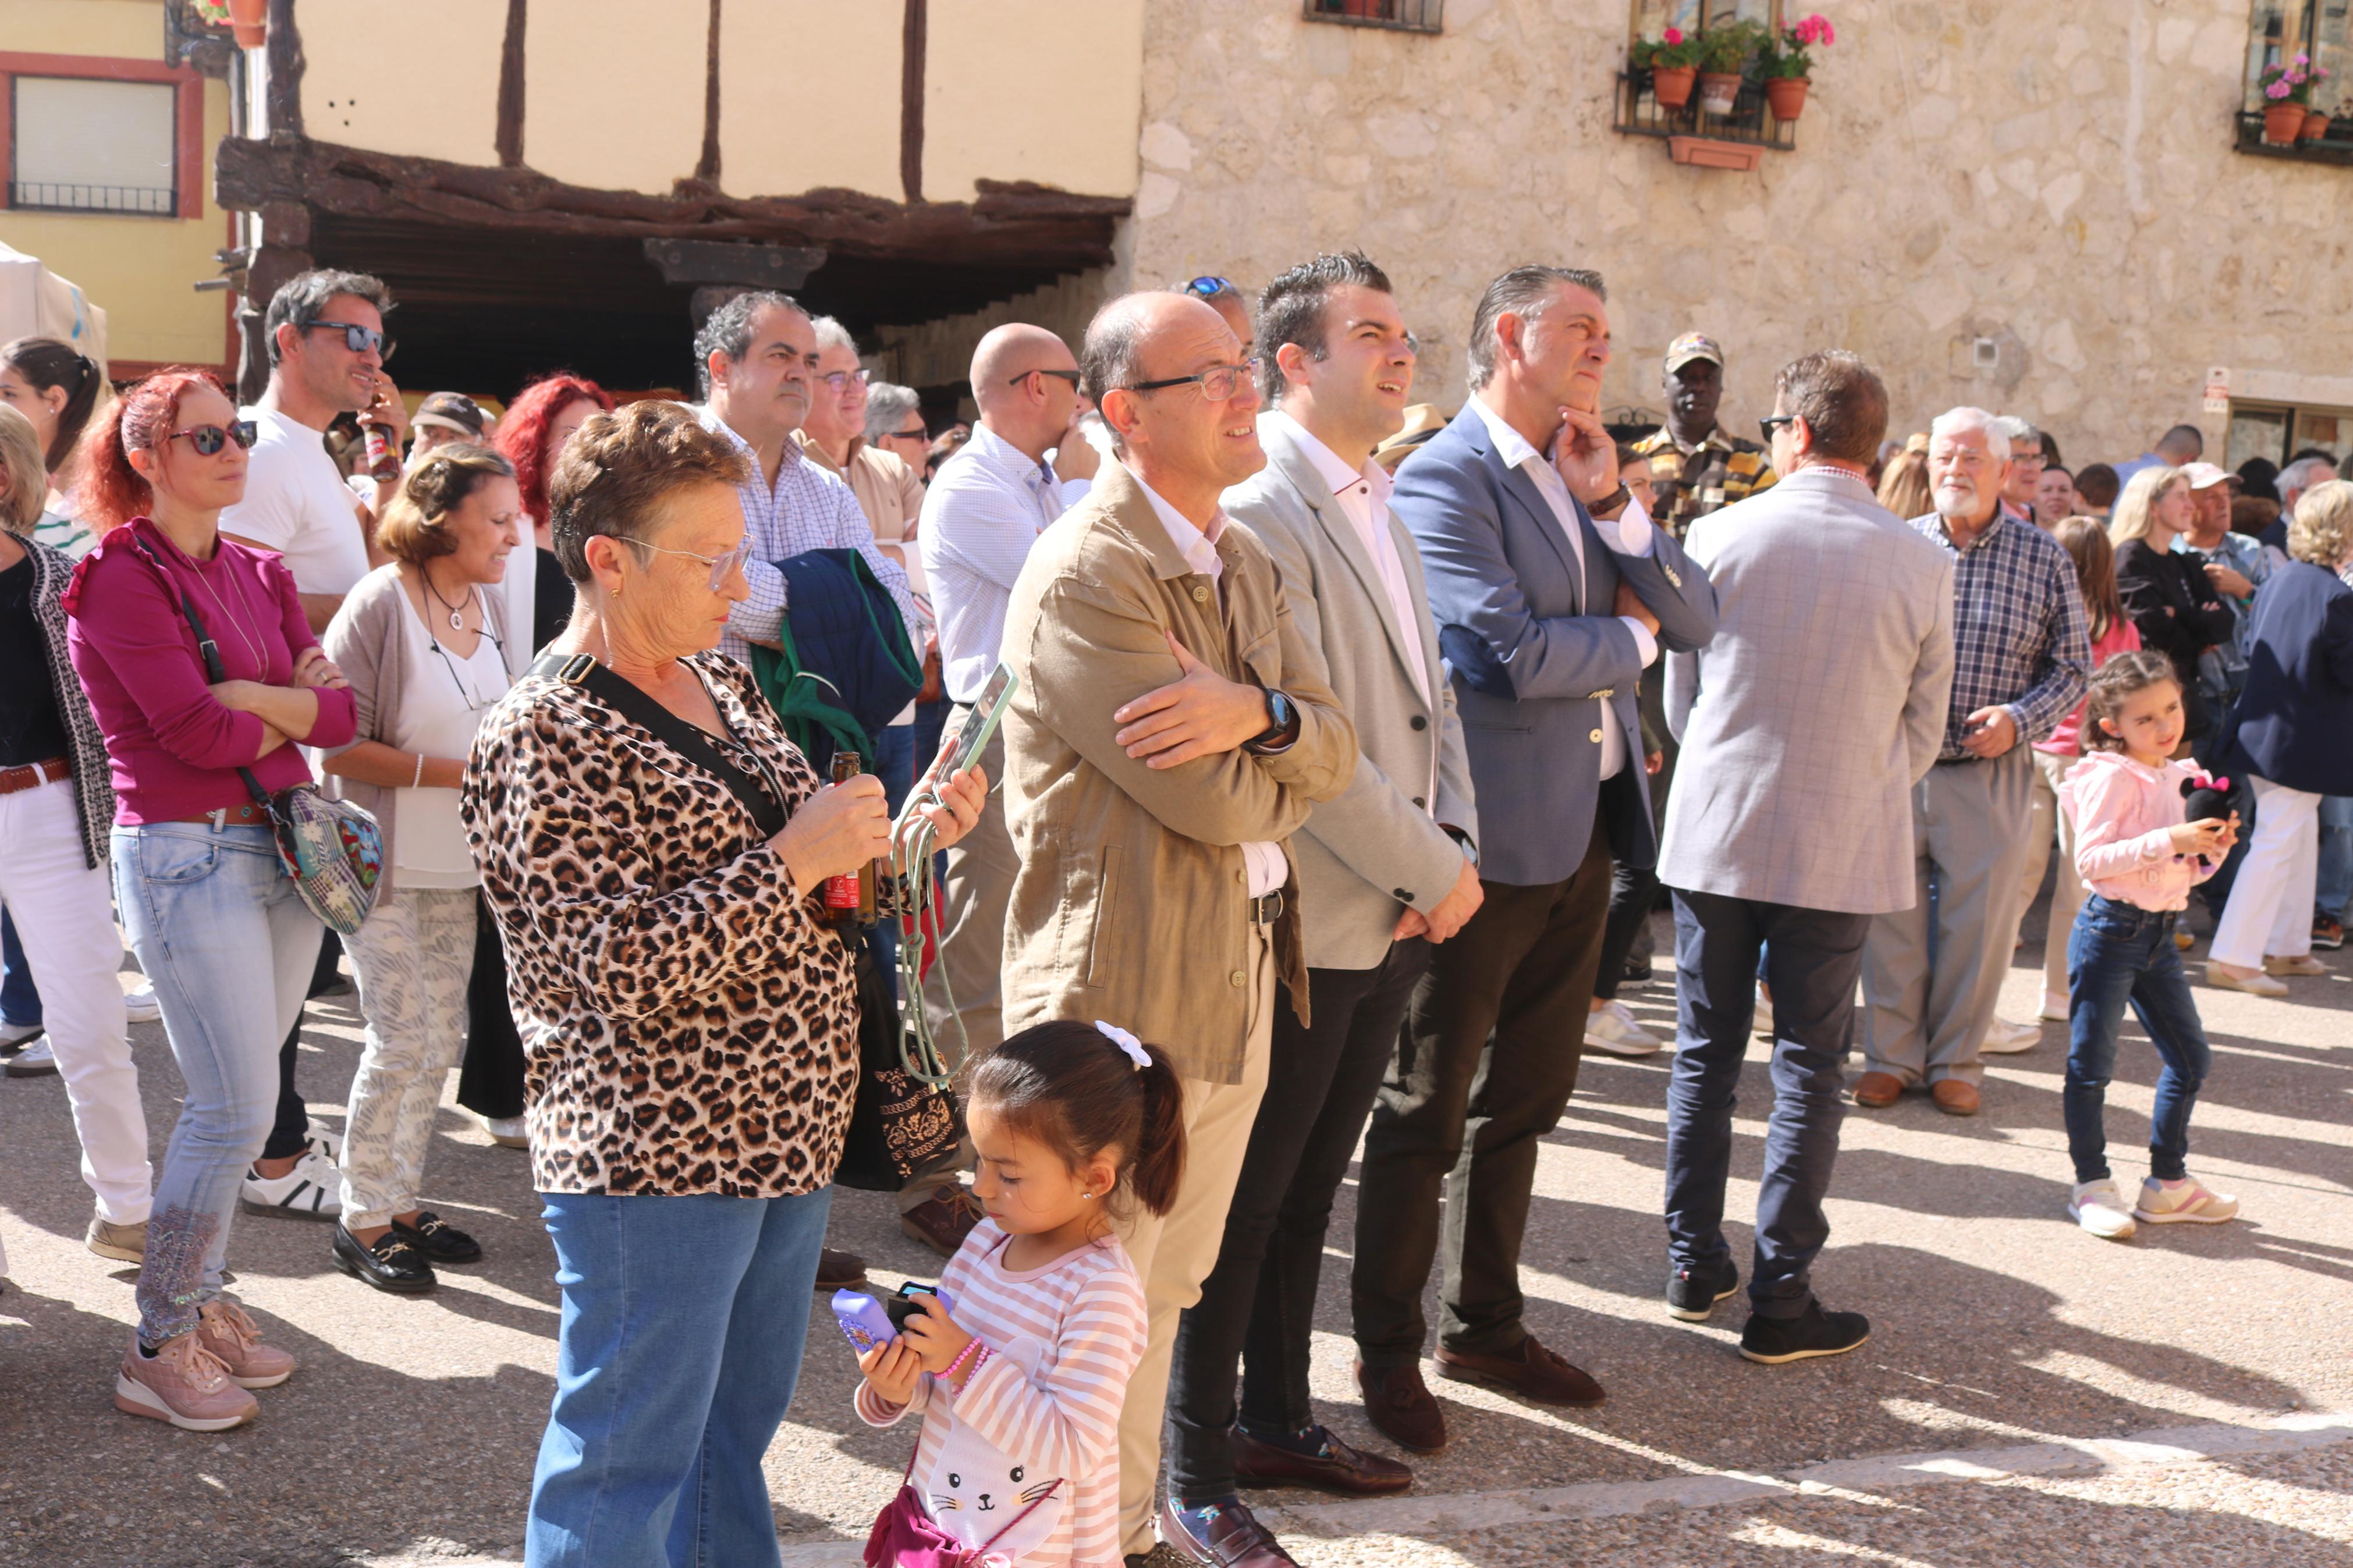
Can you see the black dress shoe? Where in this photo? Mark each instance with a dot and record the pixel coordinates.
(1400, 1406)
(1333, 1465)
(440, 1241)
(1812, 1333)
(393, 1264)
(1694, 1292)
(1221, 1534)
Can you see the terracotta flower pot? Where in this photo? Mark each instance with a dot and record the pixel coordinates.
(2316, 125)
(1672, 85)
(2283, 124)
(1717, 89)
(1787, 95)
(250, 21)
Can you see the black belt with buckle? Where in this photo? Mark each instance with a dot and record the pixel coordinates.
(1265, 912)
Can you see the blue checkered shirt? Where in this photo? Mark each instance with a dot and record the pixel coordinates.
(809, 508)
(2019, 639)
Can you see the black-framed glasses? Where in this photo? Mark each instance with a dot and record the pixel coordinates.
(917, 434)
(356, 338)
(1772, 422)
(722, 566)
(209, 439)
(1210, 288)
(1070, 375)
(1217, 383)
(841, 380)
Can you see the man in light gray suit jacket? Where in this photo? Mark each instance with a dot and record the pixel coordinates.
(1383, 872)
(1804, 725)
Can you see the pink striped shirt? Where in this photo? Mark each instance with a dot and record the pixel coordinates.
(1045, 1405)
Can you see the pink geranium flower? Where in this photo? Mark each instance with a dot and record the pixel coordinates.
(1675, 35)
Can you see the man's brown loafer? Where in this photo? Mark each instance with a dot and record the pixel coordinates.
(1954, 1097)
(1400, 1408)
(1527, 1370)
(1336, 1466)
(1878, 1090)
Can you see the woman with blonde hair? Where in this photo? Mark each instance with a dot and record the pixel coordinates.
(2178, 610)
(424, 643)
(1903, 487)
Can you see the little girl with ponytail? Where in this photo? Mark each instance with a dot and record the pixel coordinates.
(1020, 1369)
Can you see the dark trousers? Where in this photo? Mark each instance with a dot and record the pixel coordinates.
(1812, 963)
(1634, 894)
(20, 999)
(1485, 1064)
(1259, 1303)
(2116, 954)
(490, 1077)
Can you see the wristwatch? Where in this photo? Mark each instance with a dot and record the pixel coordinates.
(1613, 503)
(1278, 735)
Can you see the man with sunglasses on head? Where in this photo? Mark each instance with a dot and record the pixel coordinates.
(1223, 296)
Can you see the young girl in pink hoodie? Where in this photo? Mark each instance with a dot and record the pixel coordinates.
(2139, 859)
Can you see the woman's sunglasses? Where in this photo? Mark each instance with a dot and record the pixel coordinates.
(209, 439)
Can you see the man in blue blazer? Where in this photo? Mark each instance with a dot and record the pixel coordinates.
(1552, 592)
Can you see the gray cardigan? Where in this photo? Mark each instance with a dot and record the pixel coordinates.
(364, 641)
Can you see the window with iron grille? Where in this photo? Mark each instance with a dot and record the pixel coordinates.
(1403, 15)
(83, 144)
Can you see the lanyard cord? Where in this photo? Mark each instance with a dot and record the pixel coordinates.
(911, 840)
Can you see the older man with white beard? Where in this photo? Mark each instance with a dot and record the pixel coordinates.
(2021, 660)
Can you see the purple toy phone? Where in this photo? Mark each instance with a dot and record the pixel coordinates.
(863, 1319)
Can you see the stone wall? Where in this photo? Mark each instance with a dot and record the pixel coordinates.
(2057, 179)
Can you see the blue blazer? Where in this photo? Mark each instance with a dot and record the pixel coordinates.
(1534, 652)
(2294, 719)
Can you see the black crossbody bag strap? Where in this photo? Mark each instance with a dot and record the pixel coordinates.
(582, 669)
(213, 672)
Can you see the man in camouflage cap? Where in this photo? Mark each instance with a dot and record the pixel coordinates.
(1697, 465)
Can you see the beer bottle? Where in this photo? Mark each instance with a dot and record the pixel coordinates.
(849, 898)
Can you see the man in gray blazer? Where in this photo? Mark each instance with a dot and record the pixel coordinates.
(1804, 725)
(1552, 591)
(1383, 872)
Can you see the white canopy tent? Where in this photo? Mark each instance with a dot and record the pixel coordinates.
(35, 301)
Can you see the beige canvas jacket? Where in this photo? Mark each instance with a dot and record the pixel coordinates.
(1131, 903)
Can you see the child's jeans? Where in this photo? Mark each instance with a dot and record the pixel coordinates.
(2119, 951)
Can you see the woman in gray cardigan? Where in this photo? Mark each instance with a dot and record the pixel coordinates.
(423, 642)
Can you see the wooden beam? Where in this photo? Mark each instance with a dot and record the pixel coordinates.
(510, 87)
(284, 53)
(914, 41)
(706, 168)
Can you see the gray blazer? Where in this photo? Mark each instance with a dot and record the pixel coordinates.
(1819, 705)
(1376, 848)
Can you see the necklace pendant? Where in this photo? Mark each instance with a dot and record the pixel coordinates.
(457, 622)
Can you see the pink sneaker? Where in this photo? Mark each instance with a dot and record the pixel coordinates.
(235, 1342)
(184, 1383)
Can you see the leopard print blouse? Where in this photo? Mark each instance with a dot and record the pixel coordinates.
(688, 1025)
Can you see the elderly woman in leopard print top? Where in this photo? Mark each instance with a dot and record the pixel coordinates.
(691, 1026)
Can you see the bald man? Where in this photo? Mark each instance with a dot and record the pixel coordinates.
(984, 509)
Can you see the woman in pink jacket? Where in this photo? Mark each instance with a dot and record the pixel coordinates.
(2139, 859)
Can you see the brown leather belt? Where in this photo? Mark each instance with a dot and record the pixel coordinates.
(246, 816)
(32, 775)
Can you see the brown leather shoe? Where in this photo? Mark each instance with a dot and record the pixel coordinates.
(1222, 1534)
(1953, 1097)
(838, 1270)
(942, 1221)
(1336, 1466)
(1400, 1408)
(1878, 1090)
(1529, 1371)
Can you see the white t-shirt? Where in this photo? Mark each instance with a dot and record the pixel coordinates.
(444, 697)
(297, 504)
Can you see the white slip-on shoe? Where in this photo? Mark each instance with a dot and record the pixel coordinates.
(2222, 979)
(2182, 1203)
(140, 1005)
(2004, 1038)
(2054, 1006)
(1611, 1027)
(2099, 1208)
(506, 1131)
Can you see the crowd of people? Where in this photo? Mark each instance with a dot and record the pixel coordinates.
(1352, 747)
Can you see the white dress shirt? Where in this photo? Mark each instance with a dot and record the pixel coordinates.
(1630, 533)
(1364, 497)
(984, 509)
(1263, 858)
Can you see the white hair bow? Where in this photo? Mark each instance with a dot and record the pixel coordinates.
(1126, 1042)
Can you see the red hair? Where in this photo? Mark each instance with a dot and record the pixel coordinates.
(523, 431)
(110, 491)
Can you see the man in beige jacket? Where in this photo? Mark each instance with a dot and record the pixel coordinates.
(1171, 732)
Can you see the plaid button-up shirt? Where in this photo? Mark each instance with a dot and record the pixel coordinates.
(809, 508)
(1719, 471)
(2020, 639)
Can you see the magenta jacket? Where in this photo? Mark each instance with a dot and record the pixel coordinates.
(173, 748)
(2125, 815)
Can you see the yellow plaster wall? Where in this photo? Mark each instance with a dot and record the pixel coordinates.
(1050, 90)
(137, 269)
(373, 79)
(808, 98)
(613, 90)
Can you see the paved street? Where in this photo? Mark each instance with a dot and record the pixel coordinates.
(2030, 1396)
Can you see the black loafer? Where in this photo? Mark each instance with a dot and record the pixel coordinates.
(1813, 1332)
(1692, 1291)
(393, 1264)
(440, 1241)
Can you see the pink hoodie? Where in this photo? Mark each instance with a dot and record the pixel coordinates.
(2125, 815)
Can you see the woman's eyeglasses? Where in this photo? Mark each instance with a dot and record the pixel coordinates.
(356, 338)
(722, 566)
(1217, 384)
(209, 439)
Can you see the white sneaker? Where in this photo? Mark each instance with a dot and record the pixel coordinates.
(17, 1034)
(1763, 1027)
(1611, 1027)
(34, 1061)
(2222, 979)
(2054, 1007)
(2182, 1202)
(313, 1188)
(142, 1006)
(326, 1141)
(506, 1131)
(2005, 1038)
(2099, 1208)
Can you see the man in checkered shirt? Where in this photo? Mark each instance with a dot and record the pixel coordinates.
(2021, 660)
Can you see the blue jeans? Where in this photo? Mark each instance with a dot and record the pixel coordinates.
(680, 1342)
(20, 1000)
(2116, 952)
(229, 945)
(1812, 959)
(2332, 893)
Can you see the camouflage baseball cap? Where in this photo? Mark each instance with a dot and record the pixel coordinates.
(1692, 346)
